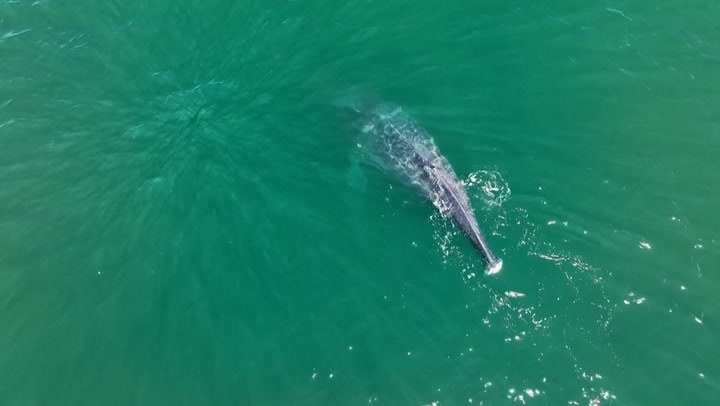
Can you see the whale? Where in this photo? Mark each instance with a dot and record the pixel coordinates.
(395, 143)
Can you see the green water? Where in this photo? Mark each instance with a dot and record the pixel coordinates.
(181, 222)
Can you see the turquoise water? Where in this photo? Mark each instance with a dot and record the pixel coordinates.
(181, 222)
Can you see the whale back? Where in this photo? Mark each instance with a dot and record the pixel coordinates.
(397, 144)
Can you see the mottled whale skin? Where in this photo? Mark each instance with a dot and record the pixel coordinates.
(397, 144)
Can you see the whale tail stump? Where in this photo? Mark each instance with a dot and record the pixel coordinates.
(493, 267)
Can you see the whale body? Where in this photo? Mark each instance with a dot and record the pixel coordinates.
(398, 145)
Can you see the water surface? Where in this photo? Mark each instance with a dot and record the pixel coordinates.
(180, 222)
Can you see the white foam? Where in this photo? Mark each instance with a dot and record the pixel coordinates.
(494, 268)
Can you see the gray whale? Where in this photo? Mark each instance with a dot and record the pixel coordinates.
(397, 144)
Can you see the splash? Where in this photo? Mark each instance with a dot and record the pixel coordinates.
(489, 186)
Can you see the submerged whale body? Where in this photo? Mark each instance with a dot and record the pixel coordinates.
(398, 145)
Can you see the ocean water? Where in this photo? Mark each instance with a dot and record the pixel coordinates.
(181, 221)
